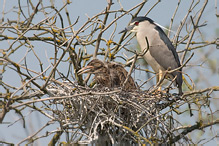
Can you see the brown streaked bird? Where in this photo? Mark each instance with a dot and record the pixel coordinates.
(108, 74)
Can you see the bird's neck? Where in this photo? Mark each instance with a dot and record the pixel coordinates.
(146, 33)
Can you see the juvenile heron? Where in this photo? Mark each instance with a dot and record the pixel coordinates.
(108, 74)
(161, 54)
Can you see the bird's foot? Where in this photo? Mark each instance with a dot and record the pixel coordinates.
(156, 92)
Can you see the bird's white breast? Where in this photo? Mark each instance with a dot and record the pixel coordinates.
(151, 33)
(152, 62)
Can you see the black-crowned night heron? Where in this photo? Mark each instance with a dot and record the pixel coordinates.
(161, 54)
(108, 74)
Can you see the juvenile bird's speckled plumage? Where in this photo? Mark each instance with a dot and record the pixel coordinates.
(108, 74)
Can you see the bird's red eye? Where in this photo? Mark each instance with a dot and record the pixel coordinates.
(136, 23)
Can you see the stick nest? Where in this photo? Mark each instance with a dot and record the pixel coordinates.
(112, 115)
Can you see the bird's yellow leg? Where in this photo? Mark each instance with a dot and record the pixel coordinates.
(157, 78)
(160, 75)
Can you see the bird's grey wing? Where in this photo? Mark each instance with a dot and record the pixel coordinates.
(163, 51)
(166, 59)
(168, 46)
(165, 54)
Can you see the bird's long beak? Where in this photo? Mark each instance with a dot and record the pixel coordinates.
(85, 70)
(128, 28)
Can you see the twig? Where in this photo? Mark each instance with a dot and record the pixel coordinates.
(135, 59)
(174, 14)
(6, 108)
(214, 88)
(193, 31)
(189, 129)
(31, 136)
(65, 97)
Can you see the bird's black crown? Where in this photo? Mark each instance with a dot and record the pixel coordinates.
(142, 18)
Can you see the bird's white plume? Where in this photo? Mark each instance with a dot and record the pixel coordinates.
(165, 28)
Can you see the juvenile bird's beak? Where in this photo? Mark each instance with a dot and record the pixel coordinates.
(128, 28)
(86, 69)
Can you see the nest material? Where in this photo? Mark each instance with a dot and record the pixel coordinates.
(112, 115)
